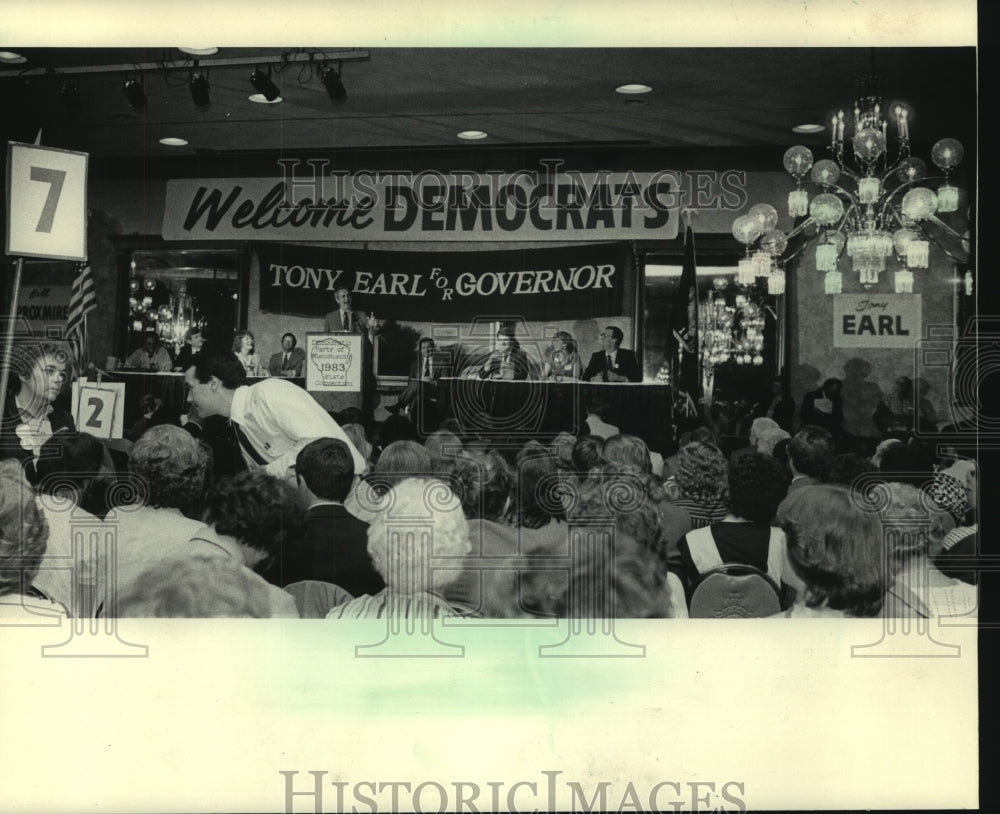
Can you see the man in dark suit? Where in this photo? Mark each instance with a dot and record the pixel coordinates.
(508, 361)
(289, 361)
(345, 318)
(421, 392)
(335, 548)
(612, 363)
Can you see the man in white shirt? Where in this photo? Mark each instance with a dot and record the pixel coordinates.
(273, 419)
(150, 357)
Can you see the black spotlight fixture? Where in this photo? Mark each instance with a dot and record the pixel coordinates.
(334, 87)
(135, 94)
(198, 86)
(263, 85)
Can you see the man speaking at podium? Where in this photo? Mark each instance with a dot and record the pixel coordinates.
(345, 318)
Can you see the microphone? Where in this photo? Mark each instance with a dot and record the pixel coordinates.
(92, 368)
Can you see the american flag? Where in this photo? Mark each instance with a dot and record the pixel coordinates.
(81, 302)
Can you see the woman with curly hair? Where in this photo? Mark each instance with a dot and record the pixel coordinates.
(421, 523)
(23, 538)
(837, 551)
(757, 484)
(398, 461)
(561, 359)
(700, 483)
(243, 348)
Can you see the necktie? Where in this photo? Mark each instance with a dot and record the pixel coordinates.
(347, 319)
(427, 367)
(609, 364)
(247, 445)
(286, 357)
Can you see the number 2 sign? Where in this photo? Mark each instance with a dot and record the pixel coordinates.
(46, 202)
(97, 409)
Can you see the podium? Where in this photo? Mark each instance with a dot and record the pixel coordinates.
(340, 371)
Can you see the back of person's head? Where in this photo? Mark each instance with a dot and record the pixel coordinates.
(24, 533)
(914, 524)
(837, 549)
(483, 482)
(596, 406)
(350, 415)
(624, 581)
(195, 588)
(532, 449)
(326, 466)
(758, 427)
(847, 467)
(398, 461)
(588, 452)
(260, 511)
(907, 463)
(757, 484)
(810, 451)
(68, 463)
(780, 453)
(628, 450)
(539, 495)
(173, 466)
(443, 443)
(768, 439)
(562, 448)
(421, 518)
(702, 434)
(223, 366)
(701, 473)
(832, 388)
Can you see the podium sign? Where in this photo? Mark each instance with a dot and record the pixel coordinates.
(46, 202)
(98, 409)
(334, 362)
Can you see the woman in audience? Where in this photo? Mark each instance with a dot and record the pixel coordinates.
(588, 452)
(23, 537)
(196, 588)
(757, 484)
(357, 436)
(914, 530)
(837, 552)
(443, 444)
(701, 483)
(398, 461)
(769, 439)
(421, 519)
(561, 359)
(39, 372)
(243, 348)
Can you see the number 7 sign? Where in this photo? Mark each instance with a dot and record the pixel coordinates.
(46, 202)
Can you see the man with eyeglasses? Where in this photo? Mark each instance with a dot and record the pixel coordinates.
(612, 363)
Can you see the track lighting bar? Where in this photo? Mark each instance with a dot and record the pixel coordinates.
(135, 67)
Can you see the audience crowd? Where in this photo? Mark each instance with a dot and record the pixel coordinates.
(345, 518)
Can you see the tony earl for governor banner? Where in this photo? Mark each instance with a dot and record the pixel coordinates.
(445, 286)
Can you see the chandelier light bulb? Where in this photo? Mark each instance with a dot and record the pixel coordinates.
(826, 172)
(833, 282)
(912, 169)
(774, 242)
(869, 190)
(765, 215)
(869, 144)
(746, 230)
(826, 209)
(901, 240)
(826, 257)
(904, 281)
(947, 153)
(947, 198)
(918, 254)
(798, 160)
(798, 203)
(776, 282)
(919, 203)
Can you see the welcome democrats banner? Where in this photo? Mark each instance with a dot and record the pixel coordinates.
(310, 204)
(581, 281)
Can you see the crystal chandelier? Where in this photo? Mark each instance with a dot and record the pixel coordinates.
(730, 332)
(870, 206)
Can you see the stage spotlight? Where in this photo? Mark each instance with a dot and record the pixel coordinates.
(263, 85)
(334, 87)
(199, 90)
(135, 94)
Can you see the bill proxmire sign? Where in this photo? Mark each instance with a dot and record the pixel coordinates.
(876, 320)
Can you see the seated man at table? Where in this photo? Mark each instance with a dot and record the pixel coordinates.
(289, 361)
(152, 356)
(612, 363)
(420, 393)
(508, 361)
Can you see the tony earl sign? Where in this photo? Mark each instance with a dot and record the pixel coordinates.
(311, 203)
(876, 320)
(445, 286)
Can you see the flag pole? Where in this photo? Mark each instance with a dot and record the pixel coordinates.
(8, 345)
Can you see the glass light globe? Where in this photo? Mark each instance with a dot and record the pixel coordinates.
(765, 215)
(869, 144)
(133, 286)
(912, 169)
(798, 160)
(751, 309)
(901, 240)
(140, 308)
(947, 153)
(758, 359)
(150, 285)
(746, 230)
(836, 238)
(152, 316)
(919, 203)
(147, 301)
(826, 209)
(774, 242)
(826, 172)
(719, 283)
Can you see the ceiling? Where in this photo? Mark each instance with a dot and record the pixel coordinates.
(412, 99)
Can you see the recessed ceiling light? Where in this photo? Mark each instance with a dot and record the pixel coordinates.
(172, 141)
(472, 135)
(200, 52)
(633, 89)
(261, 99)
(808, 128)
(12, 58)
